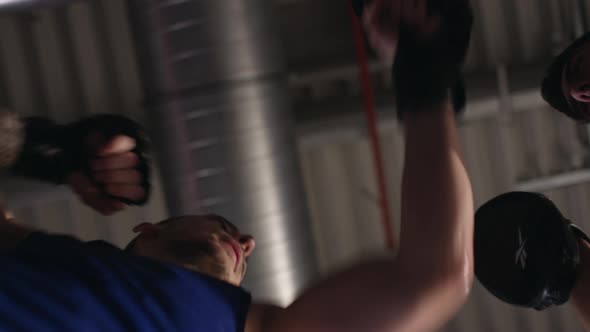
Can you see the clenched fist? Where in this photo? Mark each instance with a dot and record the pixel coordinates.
(113, 174)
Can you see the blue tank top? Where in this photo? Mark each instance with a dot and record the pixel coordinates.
(57, 283)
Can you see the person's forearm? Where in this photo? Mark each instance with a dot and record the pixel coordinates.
(580, 297)
(11, 139)
(437, 200)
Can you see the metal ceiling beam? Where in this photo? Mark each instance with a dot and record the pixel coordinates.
(482, 91)
(9, 6)
(350, 126)
(556, 181)
(340, 119)
(217, 96)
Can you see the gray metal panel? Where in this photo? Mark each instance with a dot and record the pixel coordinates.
(218, 100)
(15, 6)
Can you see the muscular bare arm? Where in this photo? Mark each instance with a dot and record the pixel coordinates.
(429, 280)
(431, 277)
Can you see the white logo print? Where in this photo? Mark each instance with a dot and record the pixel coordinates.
(521, 252)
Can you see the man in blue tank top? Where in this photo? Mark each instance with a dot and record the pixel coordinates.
(184, 273)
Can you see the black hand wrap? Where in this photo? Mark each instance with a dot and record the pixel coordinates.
(427, 72)
(526, 252)
(51, 152)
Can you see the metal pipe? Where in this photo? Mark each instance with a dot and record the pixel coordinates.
(504, 118)
(556, 181)
(8, 6)
(217, 96)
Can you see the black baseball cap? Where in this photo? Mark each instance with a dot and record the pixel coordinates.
(526, 253)
(552, 87)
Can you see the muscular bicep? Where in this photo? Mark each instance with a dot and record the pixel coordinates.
(379, 296)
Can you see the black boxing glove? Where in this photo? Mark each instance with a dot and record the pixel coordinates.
(50, 152)
(427, 71)
(526, 252)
